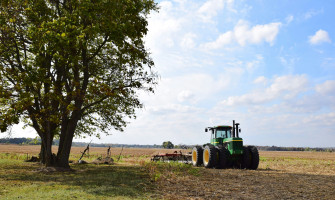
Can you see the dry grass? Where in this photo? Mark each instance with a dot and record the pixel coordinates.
(130, 152)
(281, 175)
(310, 155)
(315, 163)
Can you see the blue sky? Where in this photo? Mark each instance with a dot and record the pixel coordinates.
(270, 65)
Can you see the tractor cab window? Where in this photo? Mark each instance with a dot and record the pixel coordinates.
(228, 133)
(221, 133)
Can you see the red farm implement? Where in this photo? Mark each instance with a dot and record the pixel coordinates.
(175, 156)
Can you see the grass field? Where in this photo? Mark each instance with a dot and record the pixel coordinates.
(281, 175)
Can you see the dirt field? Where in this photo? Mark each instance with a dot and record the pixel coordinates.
(130, 152)
(281, 175)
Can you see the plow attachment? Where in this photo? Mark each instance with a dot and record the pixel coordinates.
(175, 156)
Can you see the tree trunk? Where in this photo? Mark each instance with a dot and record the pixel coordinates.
(46, 150)
(64, 154)
(42, 153)
(65, 144)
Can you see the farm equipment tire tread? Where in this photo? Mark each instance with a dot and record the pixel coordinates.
(212, 156)
(246, 158)
(254, 157)
(224, 158)
(197, 152)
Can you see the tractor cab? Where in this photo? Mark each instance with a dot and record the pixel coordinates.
(227, 136)
(219, 133)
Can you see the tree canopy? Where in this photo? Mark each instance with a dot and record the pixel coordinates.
(72, 67)
(168, 145)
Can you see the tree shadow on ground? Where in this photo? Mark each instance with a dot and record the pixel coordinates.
(97, 180)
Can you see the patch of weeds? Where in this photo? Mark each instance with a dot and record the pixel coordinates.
(194, 171)
(267, 167)
(263, 159)
(144, 156)
(162, 170)
(119, 159)
(157, 176)
(13, 156)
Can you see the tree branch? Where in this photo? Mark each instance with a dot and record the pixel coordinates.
(98, 49)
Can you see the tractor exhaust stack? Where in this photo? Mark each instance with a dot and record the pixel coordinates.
(237, 129)
(233, 128)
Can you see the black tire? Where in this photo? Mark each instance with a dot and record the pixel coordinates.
(197, 152)
(224, 158)
(254, 157)
(246, 158)
(210, 156)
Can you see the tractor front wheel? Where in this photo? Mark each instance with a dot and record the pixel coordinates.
(210, 156)
(197, 156)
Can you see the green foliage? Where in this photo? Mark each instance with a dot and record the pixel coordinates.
(73, 66)
(168, 145)
(78, 55)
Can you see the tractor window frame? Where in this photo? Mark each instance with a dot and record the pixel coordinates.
(224, 133)
(212, 134)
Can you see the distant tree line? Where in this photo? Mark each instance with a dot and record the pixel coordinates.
(275, 148)
(37, 141)
(30, 141)
(81, 144)
(167, 145)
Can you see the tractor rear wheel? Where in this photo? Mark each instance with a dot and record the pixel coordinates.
(197, 156)
(246, 158)
(254, 157)
(224, 158)
(210, 156)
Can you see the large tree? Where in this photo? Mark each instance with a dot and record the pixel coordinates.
(72, 67)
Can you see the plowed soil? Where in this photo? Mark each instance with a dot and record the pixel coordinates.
(281, 175)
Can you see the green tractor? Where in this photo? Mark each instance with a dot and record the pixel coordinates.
(226, 150)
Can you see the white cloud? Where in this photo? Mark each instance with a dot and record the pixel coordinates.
(289, 62)
(256, 34)
(261, 80)
(289, 84)
(312, 13)
(326, 88)
(223, 40)
(188, 41)
(163, 26)
(289, 19)
(185, 95)
(284, 87)
(327, 119)
(253, 65)
(319, 37)
(243, 34)
(210, 8)
(189, 88)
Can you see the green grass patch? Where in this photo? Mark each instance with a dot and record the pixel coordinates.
(14, 156)
(163, 170)
(20, 180)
